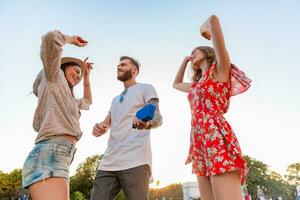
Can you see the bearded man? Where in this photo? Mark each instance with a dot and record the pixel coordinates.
(126, 163)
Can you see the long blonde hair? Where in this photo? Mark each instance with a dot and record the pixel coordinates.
(210, 57)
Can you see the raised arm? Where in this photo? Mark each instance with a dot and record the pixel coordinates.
(211, 30)
(178, 84)
(87, 93)
(102, 127)
(51, 50)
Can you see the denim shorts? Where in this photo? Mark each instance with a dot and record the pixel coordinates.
(48, 158)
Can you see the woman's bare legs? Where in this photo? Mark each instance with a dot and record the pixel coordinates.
(205, 188)
(51, 188)
(227, 186)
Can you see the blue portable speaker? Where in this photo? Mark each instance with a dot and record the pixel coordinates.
(146, 113)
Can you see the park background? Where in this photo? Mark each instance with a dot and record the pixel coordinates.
(262, 38)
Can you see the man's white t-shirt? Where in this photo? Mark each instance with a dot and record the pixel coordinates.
(128, 147)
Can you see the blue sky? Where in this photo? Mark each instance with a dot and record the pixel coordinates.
(262, 38)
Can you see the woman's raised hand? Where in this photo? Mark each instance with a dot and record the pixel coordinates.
(205, 30)
(78, 41)
(187, 59)
(87, 67)
(206, 35)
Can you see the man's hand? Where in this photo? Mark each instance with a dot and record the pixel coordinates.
(139, 124)
(99, 129)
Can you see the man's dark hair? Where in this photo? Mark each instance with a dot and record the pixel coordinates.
(132, 60)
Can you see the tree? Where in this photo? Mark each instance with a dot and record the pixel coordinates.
(82, 181)
(10, 183)
(77, 196)
(120, 196)
(293, 174)
(173, 191)
(257, 176)
(271, 182)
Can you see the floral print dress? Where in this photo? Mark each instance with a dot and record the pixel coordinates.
(214, 147)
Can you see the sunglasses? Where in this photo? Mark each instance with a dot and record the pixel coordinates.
(122, 96)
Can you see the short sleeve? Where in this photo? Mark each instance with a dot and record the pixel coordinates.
(83, 103)
(149, 93)
(111, 106)
(239, 81)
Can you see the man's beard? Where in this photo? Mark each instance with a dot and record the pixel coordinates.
(125, 76)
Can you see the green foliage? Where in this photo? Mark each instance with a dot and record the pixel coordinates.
(77, 196)
(257, 175)
(10, 183)
(120, 196)
(173, 191)
(293, 174)
(82, 181)
(269, 181)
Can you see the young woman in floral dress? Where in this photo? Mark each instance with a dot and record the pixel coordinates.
(214, 151)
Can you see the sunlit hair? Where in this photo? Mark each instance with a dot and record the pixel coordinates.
(210, 57)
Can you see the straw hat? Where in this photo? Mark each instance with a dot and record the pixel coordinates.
(74, 60)
(63, 61)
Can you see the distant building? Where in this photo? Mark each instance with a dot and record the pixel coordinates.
(190, 191)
